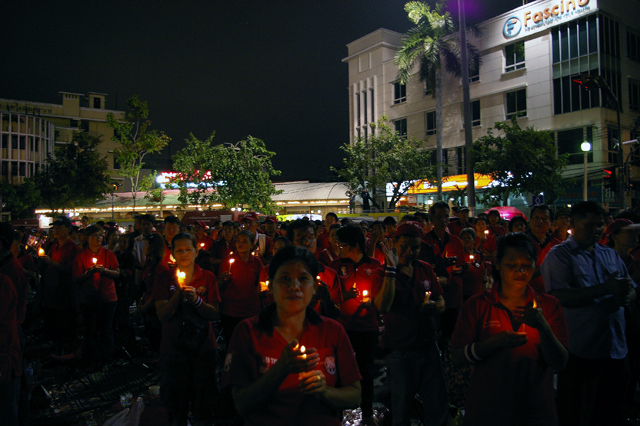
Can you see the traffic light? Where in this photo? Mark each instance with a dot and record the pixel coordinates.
(609, 179)
(587, 81)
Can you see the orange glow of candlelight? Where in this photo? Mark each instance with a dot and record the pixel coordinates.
(569, 231)
(471, 257)
(201, 244)
(264, 285)
(231, 263)
(535, 304)
(253, 253)
(486, 232)
(172, 259)
(181, 277)
(302, 349)
(40, 251)
(365, 296)
(94, 260)
(427, 296)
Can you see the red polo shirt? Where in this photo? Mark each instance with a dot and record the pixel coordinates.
(256, 346)
(59, 291)
(512, 384)
(99, 288)
(240, 296)
(165, 286)
(365, 275)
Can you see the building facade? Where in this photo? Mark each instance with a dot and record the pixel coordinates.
(76, 112)
(530, 57)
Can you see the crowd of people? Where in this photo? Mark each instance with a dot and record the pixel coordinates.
(279, 323)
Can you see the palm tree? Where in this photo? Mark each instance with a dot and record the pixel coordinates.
(433, 39)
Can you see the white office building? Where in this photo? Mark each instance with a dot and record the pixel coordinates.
(530, 56)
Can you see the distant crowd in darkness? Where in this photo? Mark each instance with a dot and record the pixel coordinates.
(278, 323)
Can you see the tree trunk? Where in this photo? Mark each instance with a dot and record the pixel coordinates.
(439, 127)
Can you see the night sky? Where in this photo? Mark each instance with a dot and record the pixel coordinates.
(267, 68)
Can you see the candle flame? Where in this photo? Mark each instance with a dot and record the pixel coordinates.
(201, 244)
(94, 260)
(172, 259)
(471, 257)
(295, 348)
(181, 276)
(253, 253)
(40, 251)
(486, 231)
(231, 260)
(302, 349)
(365, 293)
(231, 253)
(427, 296)
(569, 231)
(535, 304)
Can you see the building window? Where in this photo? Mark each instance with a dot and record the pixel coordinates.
(357, 109)
(516, 103)
(23, 142)
(514, 55)
(116, 165)
(37, 144)
(96, 103)
(373, 115)
(399, 93)
(474, 71)
(401, 127)
(633, 45)
(570, 141)
(461, 162)
(475, 113)
(14, 168)
(634, 95)
(5, 141)
(14, 141)
(23, 169)
(430, 123)
(5, 168)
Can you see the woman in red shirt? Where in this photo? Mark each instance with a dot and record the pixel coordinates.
(515, 337)
(94, 270)
(289, 365)
(186, 305)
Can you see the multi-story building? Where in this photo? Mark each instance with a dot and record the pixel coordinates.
(530, 57)
(30, 131)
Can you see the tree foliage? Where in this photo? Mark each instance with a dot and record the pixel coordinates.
(135, 140)
(230, 174)
(20, 200)
(521, 161)
(75, 175)
(385, 157)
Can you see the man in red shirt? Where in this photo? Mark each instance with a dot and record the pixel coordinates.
(323, 237)
(263, 245)
(59, 295)
(409, 299)
(463, 221)
(359, 275)
(539, 225)
(450, 249)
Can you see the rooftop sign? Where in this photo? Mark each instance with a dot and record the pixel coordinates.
(539, 15)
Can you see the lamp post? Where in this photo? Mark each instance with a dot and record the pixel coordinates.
(586, 147)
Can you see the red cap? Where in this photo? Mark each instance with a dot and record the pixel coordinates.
(250, 216)
(201, 223)
(410, 229)
(271, 218)
(619, 224)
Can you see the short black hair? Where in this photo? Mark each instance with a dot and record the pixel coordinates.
(542, 207)
(299, 224)
(249, 234)
(438, 205)
(517, 240)
(353, 235)
(291, 254)
(390, 220)
(332, 214)
(148, 218)
(515, 220)
(583, 208)
(171, 219)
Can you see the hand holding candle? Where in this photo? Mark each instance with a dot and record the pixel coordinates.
(365, 296)
(531, 314)
(231, 263)
(40, 251)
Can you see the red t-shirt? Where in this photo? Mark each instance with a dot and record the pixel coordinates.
(496, 230)
(322, 240)
(163, 289)
(473, 274)
(256, 346)
(354, 314)
(240, 296)
(450, 246)
(100, 288)
(512, 384)
(59, 291)
(327, 256)
(455, 227)
(542, 251)
(489, 245)
(405, 327)
(220, 250)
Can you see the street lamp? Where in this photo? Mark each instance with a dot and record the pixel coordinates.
(586, 147)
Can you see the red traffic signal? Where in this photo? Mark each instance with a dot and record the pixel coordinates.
(609, 179)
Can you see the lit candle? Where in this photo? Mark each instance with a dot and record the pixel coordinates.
(427, 295)
(535, 304)
(264, 285)
(26, 247)
(253, 253)
(231, 263)
(172, 259)
(40, 251)
(302, 349)
(201, 244)
(569, 231)
(486, 232)
(365, 296)
(95, 261)
(181, 277)
(471, 257)
(231, 253)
